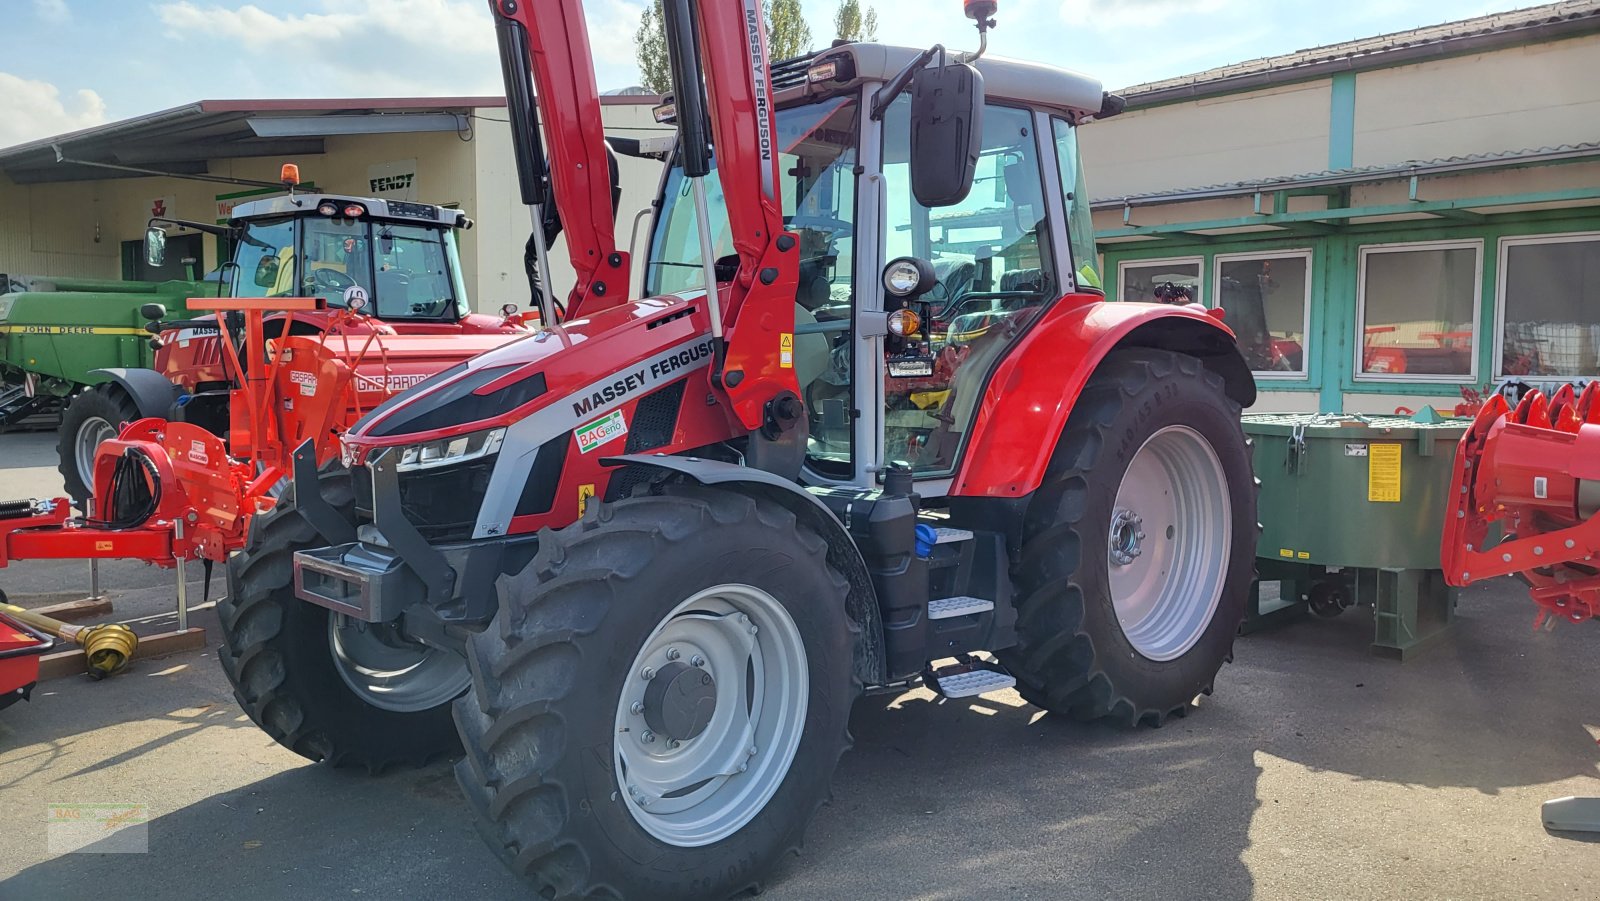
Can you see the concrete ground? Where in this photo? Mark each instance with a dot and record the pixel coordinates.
(1316, 771)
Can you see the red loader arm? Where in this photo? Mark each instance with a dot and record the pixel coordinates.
(553, 38)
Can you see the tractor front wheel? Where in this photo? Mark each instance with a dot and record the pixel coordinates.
(1139, 548)
(324, 686)
(661, 701)
(95, 415)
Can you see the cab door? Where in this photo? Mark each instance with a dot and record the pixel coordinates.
(994, 260)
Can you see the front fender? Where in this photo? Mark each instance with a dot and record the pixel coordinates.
(843, 554)
(152, 393)
(1032, 392)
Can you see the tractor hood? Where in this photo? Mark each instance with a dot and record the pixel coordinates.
(550, 381)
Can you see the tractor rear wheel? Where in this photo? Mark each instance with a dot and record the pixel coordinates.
(95, 415)
(1139, 548)
(322, 685)
(662, 699)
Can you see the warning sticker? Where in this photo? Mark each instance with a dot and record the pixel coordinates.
(600, 431)
(1355, 450)
(197, 453)
(584, 493)
(1383, 473)
(786, 350)
(1285, 552)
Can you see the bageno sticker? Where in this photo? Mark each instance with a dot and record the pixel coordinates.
(1355, 450)
(600, 431)
(786, 350)
(197, 453)
(1285, 552)
(584, 493)
(1303, 555)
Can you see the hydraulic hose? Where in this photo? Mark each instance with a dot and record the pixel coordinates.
(108, 646)
(132, 500)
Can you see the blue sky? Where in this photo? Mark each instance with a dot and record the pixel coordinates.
(69, 64)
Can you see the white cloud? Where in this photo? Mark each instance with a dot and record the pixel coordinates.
(34, 109)
(54, 11)
(389, 47)
(1103, 15)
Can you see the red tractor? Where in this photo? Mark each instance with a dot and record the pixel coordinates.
(398, 260)
(638, 567)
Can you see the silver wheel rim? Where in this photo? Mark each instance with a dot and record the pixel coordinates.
(93, 431)
(1170, 536)
(392, 672)
(693, 791)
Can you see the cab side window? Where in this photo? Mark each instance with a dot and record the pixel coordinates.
(991, 256)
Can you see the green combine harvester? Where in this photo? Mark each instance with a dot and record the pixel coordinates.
(55, 333)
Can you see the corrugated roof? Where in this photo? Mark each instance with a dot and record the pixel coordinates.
(1362, 174)
(1481, 32)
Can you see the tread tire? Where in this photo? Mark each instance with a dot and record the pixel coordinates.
(1072, 657)
(107, 401)
(276, 654)
(538, 725)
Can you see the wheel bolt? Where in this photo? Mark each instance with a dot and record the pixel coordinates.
(697, 661)
(647, 737)
(672, 744)
(743, 767)
(752, 751)
(637, 708)
(1139, 535)
(672, 654)
(647, 673)
(754, 628)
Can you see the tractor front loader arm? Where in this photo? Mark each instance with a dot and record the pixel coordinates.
(550, 40)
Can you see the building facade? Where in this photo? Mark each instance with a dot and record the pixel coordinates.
(76, 205)
(1386, 222)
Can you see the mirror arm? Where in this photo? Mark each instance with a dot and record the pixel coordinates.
(897, 86)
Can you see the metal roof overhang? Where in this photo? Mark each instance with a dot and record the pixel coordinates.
(181, 141)
(1270, 198)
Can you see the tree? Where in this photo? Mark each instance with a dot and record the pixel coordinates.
(650, 48)
(850, 25)
(788, 35)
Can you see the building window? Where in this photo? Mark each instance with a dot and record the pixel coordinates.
(1139, 279)
(1417, 307)
(1267, 298)
(1550, 306)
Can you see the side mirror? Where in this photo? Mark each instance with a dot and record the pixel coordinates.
(267, 272)
(508, 310)
(155, 246)
(946, 132)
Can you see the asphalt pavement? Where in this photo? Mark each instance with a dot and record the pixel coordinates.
(1315, 771)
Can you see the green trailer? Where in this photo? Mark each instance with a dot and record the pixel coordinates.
(56, 332)
(1351, 511)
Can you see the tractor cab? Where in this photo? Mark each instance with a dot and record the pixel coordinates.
(904, 307)
(399, 258)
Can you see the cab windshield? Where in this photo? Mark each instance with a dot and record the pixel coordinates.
(406, 271)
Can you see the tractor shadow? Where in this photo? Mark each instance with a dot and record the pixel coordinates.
(990, 797)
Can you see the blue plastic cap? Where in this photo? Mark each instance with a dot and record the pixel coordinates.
(927, 537)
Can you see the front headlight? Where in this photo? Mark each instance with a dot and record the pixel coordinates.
(450, 451)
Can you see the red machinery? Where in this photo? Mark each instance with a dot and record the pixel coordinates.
(1533, 473)
(171, 491)
(639, 566)
(21, 646)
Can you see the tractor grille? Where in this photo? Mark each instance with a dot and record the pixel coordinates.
(442, 504)
(656, 419)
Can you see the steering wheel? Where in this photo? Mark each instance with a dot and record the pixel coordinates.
(330, 280)
(837, 228)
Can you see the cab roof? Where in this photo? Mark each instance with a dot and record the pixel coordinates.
(377, 208)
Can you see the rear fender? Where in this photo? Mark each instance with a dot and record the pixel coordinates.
(152, 393)
(1026, 403)
(862, 603)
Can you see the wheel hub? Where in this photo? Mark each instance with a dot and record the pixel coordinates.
(680, 701)
(1126, 533)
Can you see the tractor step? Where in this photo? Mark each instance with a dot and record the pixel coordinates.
(967, 680)
(950, 536)
(945, 608)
